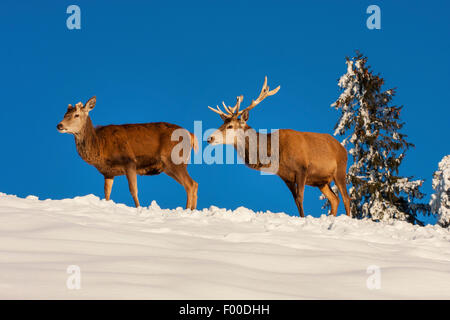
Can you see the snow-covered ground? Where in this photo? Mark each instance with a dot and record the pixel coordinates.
(154, 253)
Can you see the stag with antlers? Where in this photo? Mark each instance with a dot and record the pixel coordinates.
(304, 158)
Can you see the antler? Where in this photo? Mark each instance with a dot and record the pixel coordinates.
(230, 111)
(219, 112)
(235, 112)
(265, 92)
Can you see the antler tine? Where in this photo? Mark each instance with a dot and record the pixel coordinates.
(264, 85)
(218, 111)
(227, 109)
(265, 92)
(272, 92)
(236, 107)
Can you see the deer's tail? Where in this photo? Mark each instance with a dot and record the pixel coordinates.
(194, 142)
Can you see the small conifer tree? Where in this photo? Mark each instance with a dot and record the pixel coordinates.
(440, 200)
(371, 128)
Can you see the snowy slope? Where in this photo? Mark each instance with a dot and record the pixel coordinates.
(214, 253)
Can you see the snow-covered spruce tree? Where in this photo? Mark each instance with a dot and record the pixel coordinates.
(440, 201)
(371, 129)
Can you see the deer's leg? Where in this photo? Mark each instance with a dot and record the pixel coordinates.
(132, 184)
(301, 180)
(108, 187)
(180, 174)
(340, 183)
(331, 196)
(293, 188)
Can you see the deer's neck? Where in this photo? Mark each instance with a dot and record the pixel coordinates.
(87, 143)
(255, 149)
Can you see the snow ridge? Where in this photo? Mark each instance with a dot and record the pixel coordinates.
(214, 253)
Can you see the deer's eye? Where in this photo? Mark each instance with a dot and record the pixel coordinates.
(77, 115)
(230, 127)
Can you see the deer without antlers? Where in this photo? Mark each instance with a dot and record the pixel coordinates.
(305, 158)
(129, 149)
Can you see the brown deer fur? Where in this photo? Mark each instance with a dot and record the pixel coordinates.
(128, 149)
(305, 158)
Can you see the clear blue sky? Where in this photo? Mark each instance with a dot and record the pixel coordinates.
(152, 61)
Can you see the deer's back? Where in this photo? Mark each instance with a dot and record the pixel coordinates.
(146, 144)
(318, 152)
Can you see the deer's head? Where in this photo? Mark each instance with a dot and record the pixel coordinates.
(235, 120)
(76, 117)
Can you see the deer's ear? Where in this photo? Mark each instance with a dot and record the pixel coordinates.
(90, 104)
(244, 116)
